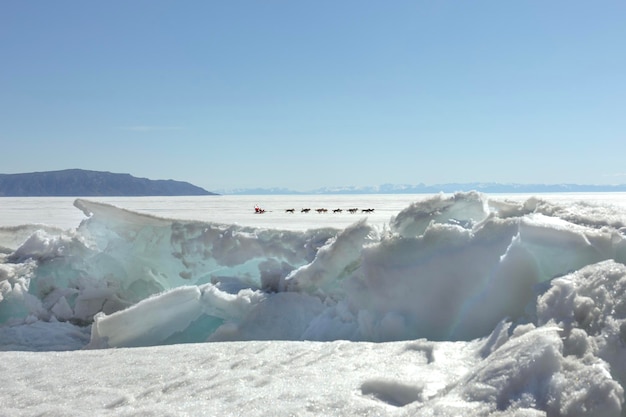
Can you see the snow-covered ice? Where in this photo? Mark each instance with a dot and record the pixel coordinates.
(460, 304)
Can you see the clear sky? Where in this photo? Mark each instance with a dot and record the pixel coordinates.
(230, 94)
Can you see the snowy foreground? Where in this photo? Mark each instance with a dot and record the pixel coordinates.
(458, 305)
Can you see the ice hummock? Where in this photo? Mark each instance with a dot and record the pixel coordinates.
(513, 307)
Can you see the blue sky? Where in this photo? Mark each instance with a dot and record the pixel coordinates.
(239, 94)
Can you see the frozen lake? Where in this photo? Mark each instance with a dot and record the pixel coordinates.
(60, 212)
(464, 308)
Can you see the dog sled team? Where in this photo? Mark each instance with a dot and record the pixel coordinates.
(259, 210)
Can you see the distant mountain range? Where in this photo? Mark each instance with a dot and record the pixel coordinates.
(433, 189)
(83, 183)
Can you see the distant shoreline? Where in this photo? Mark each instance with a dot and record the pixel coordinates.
(487, 188)
(84, 183)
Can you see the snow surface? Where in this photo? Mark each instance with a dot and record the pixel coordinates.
(461, 304)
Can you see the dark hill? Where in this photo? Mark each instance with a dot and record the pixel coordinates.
(82, 183)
